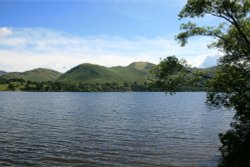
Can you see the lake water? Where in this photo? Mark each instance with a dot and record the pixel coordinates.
(109, 129)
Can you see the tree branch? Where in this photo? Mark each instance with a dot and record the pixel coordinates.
(235, 23)
(199, 75)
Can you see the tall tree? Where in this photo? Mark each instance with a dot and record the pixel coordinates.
(231, 85)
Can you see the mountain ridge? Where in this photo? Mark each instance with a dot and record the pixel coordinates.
(37, 75)
(2, 73)
(92, 73)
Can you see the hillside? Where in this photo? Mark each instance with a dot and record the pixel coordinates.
(38, 75)
(143, 66)
(90, 73)
(210, 71)
(2, 73)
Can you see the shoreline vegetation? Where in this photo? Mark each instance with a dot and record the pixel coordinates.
(31, 86)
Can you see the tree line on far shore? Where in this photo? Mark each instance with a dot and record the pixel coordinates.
(16, 84)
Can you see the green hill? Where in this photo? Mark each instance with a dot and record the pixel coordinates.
(210, 71)
(2, 73)
(143, 66)
(90, 73)
(38, 75)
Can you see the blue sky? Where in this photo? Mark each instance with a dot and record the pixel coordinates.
(123, 18)
(62, 34)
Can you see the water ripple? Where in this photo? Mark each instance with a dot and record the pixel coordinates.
(109, 129)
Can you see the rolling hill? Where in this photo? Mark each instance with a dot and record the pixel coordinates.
(210, 71)
(38, 75)
(90, 73)
(2, 73)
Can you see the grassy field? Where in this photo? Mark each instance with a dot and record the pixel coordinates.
(3, 87)
(18, 86)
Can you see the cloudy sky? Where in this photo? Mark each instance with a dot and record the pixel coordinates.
(62, 34)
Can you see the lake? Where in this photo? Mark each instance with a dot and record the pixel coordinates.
(109, 129)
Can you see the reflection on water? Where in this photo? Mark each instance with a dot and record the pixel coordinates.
(109, 129)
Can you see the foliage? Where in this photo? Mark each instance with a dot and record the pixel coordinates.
(234, 84)
(19, 85)
(3, 81)
(230, 87)
(11, 87)
(175, 75)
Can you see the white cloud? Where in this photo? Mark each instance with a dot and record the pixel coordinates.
(4, 31)
(27, 49)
